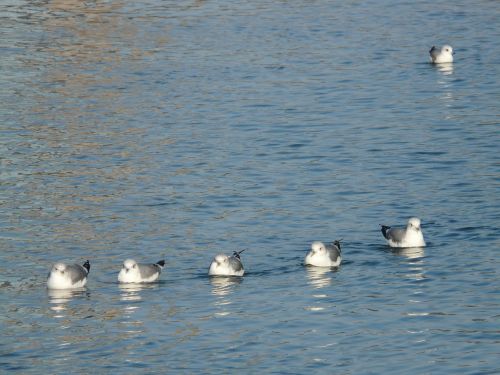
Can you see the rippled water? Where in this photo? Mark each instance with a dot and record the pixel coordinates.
(153, 129)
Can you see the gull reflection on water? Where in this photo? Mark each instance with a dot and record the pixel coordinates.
(445, 81)
(222, 287)
(131, 295)
(410, 252)
(415, 257)
(445, 68)
(60, 305)
(131, 292)
(417, 306)
(319, 277)
(59, 298)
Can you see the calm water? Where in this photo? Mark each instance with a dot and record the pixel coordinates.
(153, 129)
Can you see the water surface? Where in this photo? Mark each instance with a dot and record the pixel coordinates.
(160, 129)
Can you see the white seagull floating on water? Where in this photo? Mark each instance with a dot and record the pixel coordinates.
(411, 236)
(441, 55)
(63, 276)
(224, 265)
(133, 272)
(322, 255)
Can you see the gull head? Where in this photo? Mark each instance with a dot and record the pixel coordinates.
(447, 49)
(318, 247)
(129, 264)
(414, 223)
(59, 267)
(221, 259)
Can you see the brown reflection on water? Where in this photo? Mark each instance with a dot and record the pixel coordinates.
(86, 47)
(82, 138)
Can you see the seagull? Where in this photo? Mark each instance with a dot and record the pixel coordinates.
(411, 236)
(443, 55)
(133, 272)
(63, 276)
(322, 255)
(224, 265)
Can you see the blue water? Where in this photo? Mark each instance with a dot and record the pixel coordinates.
(164, 129)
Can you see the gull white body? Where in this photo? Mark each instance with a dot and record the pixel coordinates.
(441, 55)
(133, 272)
(63, 276)
(322, 255)
(411, 236)
(224, 265)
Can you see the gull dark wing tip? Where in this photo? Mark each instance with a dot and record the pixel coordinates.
(86, 265)
(384, 229)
